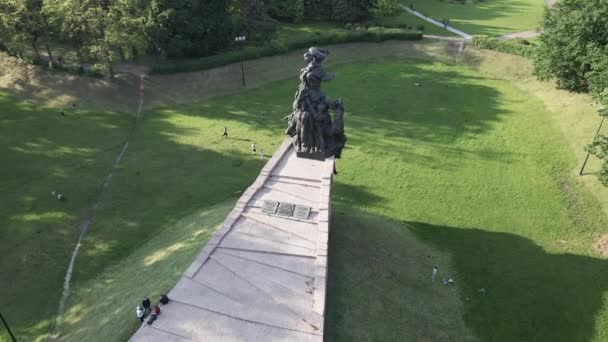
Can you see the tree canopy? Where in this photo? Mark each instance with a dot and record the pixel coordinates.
(573, 46)
(103, 31)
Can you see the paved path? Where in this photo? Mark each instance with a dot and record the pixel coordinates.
(261, 277)
(520, 35)
(436, 23)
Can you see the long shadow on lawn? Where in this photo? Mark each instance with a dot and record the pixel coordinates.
(531, 295)
(380, 284)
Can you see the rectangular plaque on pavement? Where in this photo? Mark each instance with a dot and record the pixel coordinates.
(301, 212)
(270, 207)
(285, 209)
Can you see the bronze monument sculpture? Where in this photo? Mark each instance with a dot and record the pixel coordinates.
(314, 134)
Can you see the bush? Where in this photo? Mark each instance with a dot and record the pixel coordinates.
(277, 47)
(514, 47)
(420, 27)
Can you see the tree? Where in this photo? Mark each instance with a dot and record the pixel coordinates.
(387, 8)
(187, 28)
(253, 18)
(573, 46)
(350, 10)
(27, 22)
(599, 148)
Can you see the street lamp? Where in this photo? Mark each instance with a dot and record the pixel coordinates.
(241, 40)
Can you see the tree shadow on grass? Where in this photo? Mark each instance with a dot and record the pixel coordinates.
(531, 295)
(380, 286)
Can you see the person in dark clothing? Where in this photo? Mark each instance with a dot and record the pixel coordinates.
(146, 305)
(225, 135)
(152, 318)
(62, 112)
(164, 300)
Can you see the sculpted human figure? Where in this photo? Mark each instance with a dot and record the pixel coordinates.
(310, 123)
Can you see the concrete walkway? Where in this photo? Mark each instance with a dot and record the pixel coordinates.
(436, 23)
(520, 35)
(262, 276)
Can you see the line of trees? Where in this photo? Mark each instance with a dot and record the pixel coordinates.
(104, 31)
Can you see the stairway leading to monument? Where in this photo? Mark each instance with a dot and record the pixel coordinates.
(262, 276)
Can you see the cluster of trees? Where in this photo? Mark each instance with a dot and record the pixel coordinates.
(573, 47)
(573, 51)
(101, 31)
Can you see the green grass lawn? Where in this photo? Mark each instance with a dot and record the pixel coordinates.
(490, 17)
(467, 172)
(44, 152)
(404, 18)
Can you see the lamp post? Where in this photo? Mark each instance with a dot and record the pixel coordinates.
(241, 40)
(7, 328)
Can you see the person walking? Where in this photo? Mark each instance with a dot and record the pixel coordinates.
(140, 313)
(225, 135)
(253, 148)
(434, 273)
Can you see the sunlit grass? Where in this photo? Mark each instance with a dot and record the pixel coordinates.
(490, 17)
(107, 301)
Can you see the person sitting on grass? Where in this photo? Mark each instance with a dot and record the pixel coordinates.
(140, 313)
(146, 305)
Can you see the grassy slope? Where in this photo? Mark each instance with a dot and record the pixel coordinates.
(41, 154)
(484, 175)
(575, 114)
(108, 300)
(486, 172)
(380, 286)
(481, 175)
(491, 17)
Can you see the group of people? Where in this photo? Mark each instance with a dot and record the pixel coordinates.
(145, 310)
(253, 145)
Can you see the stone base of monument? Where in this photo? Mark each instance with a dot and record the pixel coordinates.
(262, 276)
(308, 155)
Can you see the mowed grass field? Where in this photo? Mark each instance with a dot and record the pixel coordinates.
(489, 17)
(466, 172)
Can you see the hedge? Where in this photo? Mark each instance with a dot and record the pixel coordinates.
(513, 46)
(277, 47)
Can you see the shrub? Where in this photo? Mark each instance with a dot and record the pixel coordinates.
(276, 47)
(514, 47)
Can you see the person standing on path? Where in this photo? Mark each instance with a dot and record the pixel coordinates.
(253, 148)
(434, 273)
(225, 135)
